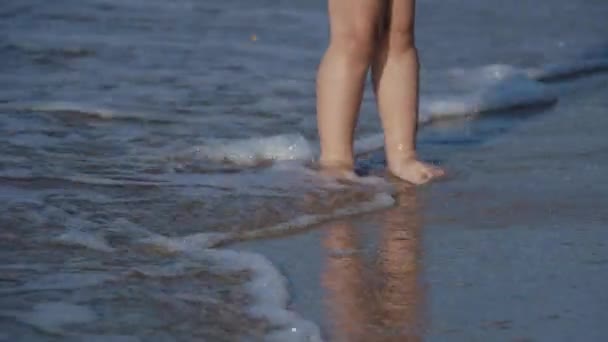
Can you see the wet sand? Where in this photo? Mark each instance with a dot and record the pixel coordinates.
(511, 248)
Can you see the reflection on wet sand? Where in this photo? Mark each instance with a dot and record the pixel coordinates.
(376, 297)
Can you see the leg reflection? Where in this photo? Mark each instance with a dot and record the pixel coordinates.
(342, 278)
(376, 298)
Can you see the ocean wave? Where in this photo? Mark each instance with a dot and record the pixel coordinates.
(494, 88)
(564, 71)
(484, 89)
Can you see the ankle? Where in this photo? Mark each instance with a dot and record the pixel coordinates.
(400, 156)
(336, 163)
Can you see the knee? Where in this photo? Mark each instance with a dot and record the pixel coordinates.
(358, 45)
(401, 39)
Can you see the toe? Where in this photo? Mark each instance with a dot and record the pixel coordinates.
(424, 177)
(436, 171)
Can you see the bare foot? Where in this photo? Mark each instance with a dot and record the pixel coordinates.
(345, 173)
(338, 173)
(414, 171)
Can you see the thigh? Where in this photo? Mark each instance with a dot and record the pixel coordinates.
(355, 19)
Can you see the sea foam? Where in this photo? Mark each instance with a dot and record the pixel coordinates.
(266, 286)
(255, 150)
(494, 88)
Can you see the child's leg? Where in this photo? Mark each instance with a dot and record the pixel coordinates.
(395, 75)
(341, 76)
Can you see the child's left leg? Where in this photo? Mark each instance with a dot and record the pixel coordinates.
(395, 75)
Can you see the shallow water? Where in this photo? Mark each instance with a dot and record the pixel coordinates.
(135, 135)
(515, 249)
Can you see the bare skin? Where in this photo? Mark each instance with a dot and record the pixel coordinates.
(377, 34)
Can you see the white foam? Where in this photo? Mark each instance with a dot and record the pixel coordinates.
(266, 287)
(499, 87)
(250, 152)
(486, 89)
(268, 290)
(186, 243)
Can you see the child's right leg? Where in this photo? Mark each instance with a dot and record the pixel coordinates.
(342, 74)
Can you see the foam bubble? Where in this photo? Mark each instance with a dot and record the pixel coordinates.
(251, 152)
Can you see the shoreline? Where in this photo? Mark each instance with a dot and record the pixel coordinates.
(512, 249)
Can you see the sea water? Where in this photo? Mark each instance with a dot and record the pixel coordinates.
(138, 139)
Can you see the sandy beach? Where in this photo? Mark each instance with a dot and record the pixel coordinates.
(511, 248)
(158, 179)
